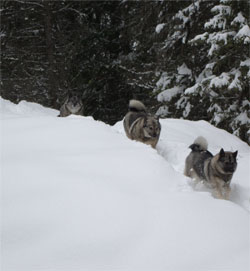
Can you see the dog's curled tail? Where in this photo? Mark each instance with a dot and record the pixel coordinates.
(136, 106)
(200, 144)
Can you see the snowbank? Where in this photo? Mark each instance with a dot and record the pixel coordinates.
(77, 194)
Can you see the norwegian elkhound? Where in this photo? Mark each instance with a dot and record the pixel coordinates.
(72, 105)
(141, 126)
(216, 171)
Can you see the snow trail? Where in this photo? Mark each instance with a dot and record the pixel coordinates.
(178, 135)
(78, 194)
(175, 150)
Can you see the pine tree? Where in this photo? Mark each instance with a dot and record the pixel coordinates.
(216, 87)
(37, 42)
(224, 81)
(95, 69)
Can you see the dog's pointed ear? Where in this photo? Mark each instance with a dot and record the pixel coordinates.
(194, 147)
(235, 154)
(222, 153)
(191, 146)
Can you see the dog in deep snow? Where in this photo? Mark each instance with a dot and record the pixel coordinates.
(72, 105)
(141, 126)
(216, 171)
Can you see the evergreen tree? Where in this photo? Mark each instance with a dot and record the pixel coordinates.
(219, 68)
(37, 42)
(192, 55)
(95, 65)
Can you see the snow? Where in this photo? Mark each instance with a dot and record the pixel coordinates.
(192, 90)
(243, 118)
(162, 111)
(187, 110)
(159, 28)
(180, 15)
(236, 83)
(2, 34)
(163, 81)
(214, 38)
(214, 47)
(135, 45)
(207, 73)
(77, 194)
(245, 63)
(190, 11)
(219, 20)
(239, 19)
(199, 37)
(220, 81)
(184, 70)
(244, 32)
(222, 36)
(222, 9)
(216, 21)
(168, 94)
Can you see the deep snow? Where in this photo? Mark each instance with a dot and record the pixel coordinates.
(78, 194)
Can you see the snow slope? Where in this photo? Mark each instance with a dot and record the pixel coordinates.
(78, 195)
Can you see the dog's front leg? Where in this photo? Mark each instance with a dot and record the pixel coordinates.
(218, 189)
(227, 191)
(219, 193)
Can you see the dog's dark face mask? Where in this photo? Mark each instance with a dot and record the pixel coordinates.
(228, 161)
(74, 103)
(74, 100)
(152, 127)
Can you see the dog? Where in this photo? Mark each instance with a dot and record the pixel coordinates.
(216, 171)
(141, 126)
(72, 105)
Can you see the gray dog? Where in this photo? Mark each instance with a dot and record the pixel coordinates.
(216, 171)
(141, 126)
(72, 105)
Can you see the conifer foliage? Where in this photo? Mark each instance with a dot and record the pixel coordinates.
(213, 82)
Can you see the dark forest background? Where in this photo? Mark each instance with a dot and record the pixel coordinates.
(183, 59)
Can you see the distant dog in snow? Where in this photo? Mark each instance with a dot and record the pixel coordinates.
(141, 126)
(72, 105)
(216, 171)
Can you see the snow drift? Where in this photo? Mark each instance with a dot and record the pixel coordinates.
(77, 194)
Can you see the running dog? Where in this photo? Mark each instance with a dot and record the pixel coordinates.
(140, 125)
(216, 171)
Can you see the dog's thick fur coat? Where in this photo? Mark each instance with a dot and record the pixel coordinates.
(216, 171)
(141, 126)
(72, 105)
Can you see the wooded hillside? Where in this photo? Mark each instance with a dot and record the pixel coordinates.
(183, 59)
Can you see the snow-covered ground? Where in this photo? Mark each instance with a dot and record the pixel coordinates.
(78, 195)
